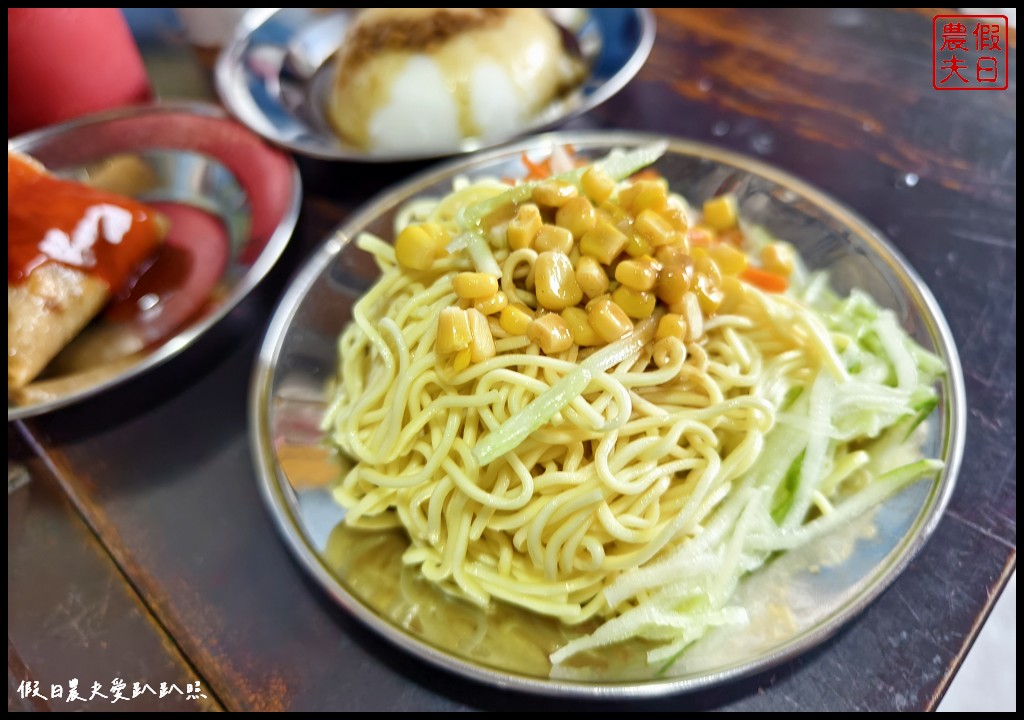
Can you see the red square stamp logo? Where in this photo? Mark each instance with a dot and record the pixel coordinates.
(970, 52)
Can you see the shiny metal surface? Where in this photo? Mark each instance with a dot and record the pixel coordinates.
(185, 150)
(275, 75)
(818, 592)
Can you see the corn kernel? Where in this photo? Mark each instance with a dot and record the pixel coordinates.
(676, 218)
(674, 281)
(515, 319)
(597, 184)
(701, 236)
(628, 194)
(637, 304)
(636, 274)
(475, 285)
(416, 248)
(637, 245)
(644, 195)
(654, 228)
(555, 280)
(482, 344)
(707, 284)
(599, 300)
(551, 332)
(453, 332)
(523, 228)
(778, 258)
(604, 242)
(733, 293)
(553, 238)
(554, 193)
(709, 294)
(671, 325)
(493, 304)
(671, 254)
(704, 265)
(582, 334)
(437, 232)
(577, 216)
(608, 320)
(721, 213)
(461, 360)
(613, 212)
(591, 277)
(729, 259)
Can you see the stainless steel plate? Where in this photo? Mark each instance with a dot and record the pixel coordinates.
(815, 591)
(184, 155)
(275, 74)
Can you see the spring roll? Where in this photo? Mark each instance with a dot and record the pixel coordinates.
(70, 248)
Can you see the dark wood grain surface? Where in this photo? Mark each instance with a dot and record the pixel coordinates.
(160, 469)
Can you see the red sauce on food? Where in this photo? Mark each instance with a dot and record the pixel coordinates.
(180, 279)
(54, 220)
(158, 279)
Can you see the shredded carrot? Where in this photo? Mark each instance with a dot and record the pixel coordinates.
(733, 237)
(646, 174)
(767, 281)
(537, 171)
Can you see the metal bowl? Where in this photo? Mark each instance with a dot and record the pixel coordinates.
(276, 73)
(184, 154)
(818, 593)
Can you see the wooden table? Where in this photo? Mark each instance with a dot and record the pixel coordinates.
(139, 549)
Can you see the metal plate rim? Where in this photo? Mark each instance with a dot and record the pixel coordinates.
(191, 333)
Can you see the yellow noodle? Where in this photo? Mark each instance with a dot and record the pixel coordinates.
(629, 470)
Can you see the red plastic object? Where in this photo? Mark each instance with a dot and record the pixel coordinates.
(66, 62)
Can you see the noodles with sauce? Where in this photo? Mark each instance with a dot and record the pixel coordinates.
(614, 452)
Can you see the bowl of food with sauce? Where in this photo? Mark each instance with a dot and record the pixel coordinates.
(391, 84)
(130, 233)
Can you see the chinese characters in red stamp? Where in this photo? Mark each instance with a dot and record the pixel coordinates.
(970, 52)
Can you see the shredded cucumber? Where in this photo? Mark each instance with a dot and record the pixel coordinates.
(827, 461)
(545, 406)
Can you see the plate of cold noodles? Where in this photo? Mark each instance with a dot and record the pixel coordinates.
(607, 414)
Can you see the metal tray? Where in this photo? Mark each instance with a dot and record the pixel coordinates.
(818, 590)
